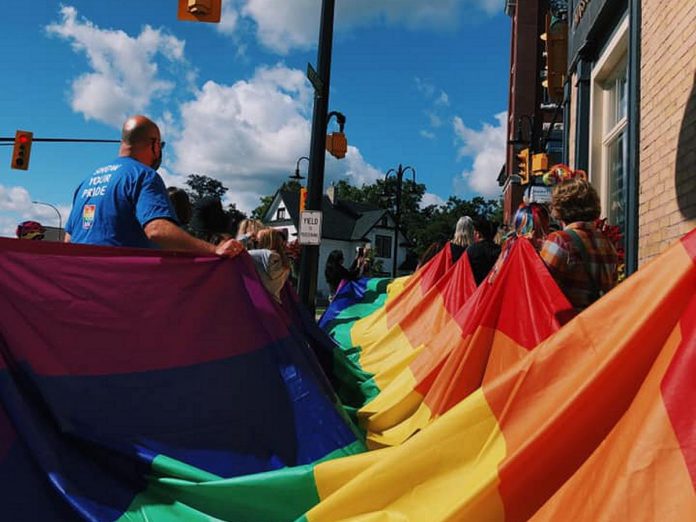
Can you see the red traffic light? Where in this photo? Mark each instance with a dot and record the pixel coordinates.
(22, 150)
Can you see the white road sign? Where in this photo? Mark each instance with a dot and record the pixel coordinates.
(310, 227)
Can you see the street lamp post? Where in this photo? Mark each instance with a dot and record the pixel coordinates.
(297, 176)
(399, 174)
(60, 218)
(309, 263)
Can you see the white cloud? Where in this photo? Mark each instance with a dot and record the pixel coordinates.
(282, 26)
(427, 134)
(229, 18)
(125, 77)
(487, 148)
(434, 120)
(249, 135)
(16, 206)
(442, 99)
(431, 199)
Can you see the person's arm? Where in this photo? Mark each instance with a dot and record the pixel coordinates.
(169, 236)
(66, 238)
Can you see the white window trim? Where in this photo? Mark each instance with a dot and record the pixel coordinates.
(614, 52)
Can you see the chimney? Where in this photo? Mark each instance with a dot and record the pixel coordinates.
(331, 193)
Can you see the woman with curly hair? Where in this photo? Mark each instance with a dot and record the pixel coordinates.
(582, 260)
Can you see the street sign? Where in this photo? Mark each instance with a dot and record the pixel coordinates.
(539, 194)
(310, 227)
(314, 77)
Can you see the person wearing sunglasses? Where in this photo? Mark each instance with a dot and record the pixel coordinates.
(125, 202)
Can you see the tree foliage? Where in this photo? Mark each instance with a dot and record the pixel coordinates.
(422, 225)
(200, 186)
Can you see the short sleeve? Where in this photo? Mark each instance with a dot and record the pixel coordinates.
(151, 200)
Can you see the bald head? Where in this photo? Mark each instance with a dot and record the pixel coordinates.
(141, 140)
(139, 130)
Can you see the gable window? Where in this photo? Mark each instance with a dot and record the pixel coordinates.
(281, 214)
(383, 246)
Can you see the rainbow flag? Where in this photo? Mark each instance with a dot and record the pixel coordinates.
(372, 320)
(595, 423)
(510, 313)
(122, 370)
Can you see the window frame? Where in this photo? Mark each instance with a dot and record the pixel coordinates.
(388, 240)
(605, 127)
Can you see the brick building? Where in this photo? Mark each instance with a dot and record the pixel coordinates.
(667, 197)
(630, 114)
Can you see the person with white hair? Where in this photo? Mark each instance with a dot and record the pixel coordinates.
(463, 237)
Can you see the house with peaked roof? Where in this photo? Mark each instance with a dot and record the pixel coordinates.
(346, 225)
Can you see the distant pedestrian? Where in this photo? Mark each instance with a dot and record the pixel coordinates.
(30, 230)
(209, 221)
(463, 237)
(272, 263)
(125, 203)
(247, 231)
(181, 203)
(335, 272)
(581, 259)
(484, 252)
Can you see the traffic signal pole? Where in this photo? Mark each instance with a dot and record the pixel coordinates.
(309, 262)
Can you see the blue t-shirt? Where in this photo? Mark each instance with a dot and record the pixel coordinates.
(112, 206)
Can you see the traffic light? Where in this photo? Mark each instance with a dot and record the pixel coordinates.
(540, 163)
(199, 10)
(556, 67)
(337, 145)
(524, 166)
(22, 150)
(303, 198)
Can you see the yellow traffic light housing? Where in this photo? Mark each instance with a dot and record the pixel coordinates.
(337, 144)
(303, 198)
(22, 150)
(524, 166)
(540, 163)
(199, 10)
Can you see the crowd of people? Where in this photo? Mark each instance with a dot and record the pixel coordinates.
(125, 203)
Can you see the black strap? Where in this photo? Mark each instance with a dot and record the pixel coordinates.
(596, 292)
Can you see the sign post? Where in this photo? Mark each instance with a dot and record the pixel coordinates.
(310, 227)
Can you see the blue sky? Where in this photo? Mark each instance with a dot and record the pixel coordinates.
(421, 83)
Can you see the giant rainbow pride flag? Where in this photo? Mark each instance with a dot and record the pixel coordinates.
(123, 368)
(377, 325)
(513, 311)
(593, 423)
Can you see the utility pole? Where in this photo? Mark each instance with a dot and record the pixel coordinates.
(309, 262)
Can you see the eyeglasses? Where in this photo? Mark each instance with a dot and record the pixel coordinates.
(162, 143)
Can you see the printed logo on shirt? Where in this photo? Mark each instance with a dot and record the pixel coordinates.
(88, 216)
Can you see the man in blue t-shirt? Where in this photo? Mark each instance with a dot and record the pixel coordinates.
(125, 203)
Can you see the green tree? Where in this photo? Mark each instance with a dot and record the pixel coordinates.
(200, 186)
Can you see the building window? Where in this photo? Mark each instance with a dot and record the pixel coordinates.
(383, 246)
(281, 214)
(609, 126)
